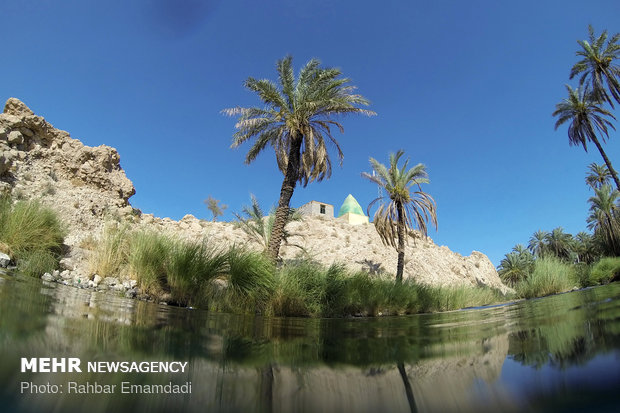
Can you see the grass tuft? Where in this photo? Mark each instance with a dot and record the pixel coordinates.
(30, 231)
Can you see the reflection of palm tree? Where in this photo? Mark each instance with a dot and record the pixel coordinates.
(408, 389)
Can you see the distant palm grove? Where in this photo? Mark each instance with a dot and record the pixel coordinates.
(585, 258)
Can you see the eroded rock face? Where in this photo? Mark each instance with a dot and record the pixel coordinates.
(39, 161)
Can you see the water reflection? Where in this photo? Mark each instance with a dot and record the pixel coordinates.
(530, 355)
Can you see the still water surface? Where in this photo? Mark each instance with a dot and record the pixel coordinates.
(559, 353)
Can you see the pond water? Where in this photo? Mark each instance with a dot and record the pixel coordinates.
(560, 353)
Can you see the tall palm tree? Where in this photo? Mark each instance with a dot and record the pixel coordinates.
(538, 243)
(597, 65)
(408, 207)
(296, 122)
(597, 176)
(586, 117)
(604, 217)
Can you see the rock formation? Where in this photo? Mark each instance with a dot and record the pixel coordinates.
(87, 185)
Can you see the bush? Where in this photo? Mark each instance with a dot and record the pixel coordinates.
(550, 276)
(605, 271)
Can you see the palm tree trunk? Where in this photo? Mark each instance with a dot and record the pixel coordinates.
(286, 193)
(612, 171)
(401, 242)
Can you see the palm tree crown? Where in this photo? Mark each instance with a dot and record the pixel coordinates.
(296, 122)
(408, 207)
(597, 176)
(597, 65)
(587, 118)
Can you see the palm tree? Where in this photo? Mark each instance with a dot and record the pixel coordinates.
(597, 65)
(296, 121)
(585, 247)
(586, 117)
(604, 218)
(559, 243)
(538, 243)
(259, 226)
(597, 176)
(215, 207)
(515, 267)
(406, 209)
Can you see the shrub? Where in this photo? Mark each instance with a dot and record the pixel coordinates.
(605, 271)
(550, 276)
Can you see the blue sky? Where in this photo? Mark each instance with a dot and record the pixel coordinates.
(467, 88)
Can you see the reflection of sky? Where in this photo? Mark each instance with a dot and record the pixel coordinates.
(599, 376)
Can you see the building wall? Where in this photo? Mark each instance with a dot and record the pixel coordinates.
(314, 208)
(354, 219)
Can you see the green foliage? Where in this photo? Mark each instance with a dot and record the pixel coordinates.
(605, 271)
(258, 226)
(251, 280)
(550, 276)
(516, 266)
(598, 66)
(29, 231)
(604, 218)
(148, 257)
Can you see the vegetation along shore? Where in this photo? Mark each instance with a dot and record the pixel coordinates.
(65, 214)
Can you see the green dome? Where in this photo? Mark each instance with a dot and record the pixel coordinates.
(351, 205)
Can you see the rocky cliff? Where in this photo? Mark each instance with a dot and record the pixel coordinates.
(87, 185)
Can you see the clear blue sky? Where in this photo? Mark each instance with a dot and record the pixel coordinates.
(465, 87)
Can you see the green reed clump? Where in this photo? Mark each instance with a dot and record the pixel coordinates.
(434, 299)
(550, 276)
(30, 231)
(149, 253)
(250, 278)
(605, 271)
(299, 289)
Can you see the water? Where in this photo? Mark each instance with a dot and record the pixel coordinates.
(560, 353)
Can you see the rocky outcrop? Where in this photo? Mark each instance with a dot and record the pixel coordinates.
(86, 185)
(39, 161)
